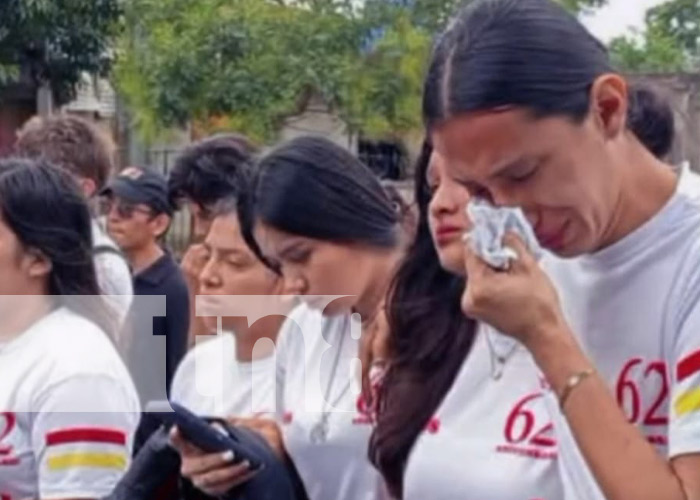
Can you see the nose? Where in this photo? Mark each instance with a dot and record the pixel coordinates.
(532, 217)
(209, 277)
(442, 202)
(502, 197)
(295, 285)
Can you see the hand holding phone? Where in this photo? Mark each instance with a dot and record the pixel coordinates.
(202, 434)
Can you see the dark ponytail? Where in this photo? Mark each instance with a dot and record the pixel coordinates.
(651, 119)
(430, 339)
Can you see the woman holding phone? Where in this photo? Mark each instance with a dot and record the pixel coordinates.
(323, 219)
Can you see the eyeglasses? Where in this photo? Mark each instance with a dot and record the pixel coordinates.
(124, 209)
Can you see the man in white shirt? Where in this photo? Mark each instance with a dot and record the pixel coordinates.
(78, 147)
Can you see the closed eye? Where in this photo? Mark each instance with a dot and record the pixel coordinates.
(523, 175)
(298, 256)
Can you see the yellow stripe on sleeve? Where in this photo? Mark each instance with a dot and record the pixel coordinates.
(97, 460)
(688, 402)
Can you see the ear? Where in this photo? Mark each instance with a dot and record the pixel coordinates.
(609, 104)
(37, 264)
(160, 224)
(88, 186)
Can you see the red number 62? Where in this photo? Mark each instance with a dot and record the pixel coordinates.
(628, 391)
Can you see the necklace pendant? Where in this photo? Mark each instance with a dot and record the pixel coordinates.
(319, 432)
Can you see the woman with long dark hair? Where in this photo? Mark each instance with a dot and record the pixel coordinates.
(523, 107)
(467, 412)
(322, 218)
(68, 408)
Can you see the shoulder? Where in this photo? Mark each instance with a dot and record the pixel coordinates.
(174, 278)
(307, 329)
(685, 295)
(301, 321)
(205, 354)
(76, 346)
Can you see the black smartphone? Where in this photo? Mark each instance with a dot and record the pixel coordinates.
(200, 433)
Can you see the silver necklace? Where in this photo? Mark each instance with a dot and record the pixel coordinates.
(319, 431)
(498, 360)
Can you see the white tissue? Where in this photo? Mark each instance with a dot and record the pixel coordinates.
(489, 226)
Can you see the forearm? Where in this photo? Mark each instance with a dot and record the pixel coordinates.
(622, 461)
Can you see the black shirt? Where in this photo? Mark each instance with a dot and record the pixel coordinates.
(158, 289)
(162, 278)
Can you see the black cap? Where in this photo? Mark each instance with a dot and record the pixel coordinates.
(141, 185)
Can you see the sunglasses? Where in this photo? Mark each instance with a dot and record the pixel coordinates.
(124, 209)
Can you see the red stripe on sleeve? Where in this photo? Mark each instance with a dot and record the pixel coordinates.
(85, 435)
(688, 366)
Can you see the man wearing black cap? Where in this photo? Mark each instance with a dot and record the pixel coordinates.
(138, 216)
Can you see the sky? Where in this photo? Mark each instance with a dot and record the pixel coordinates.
(618, 17)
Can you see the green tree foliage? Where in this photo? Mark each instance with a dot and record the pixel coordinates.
(669, 42)
(249, 64)
(56, 40)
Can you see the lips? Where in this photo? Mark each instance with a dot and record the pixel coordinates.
(446, 234)
(553, 240)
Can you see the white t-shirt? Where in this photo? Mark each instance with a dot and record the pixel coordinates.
(314, 360)
(490, 438)
(211, 382)
(635, 308)
(113, 274)
(68, 411)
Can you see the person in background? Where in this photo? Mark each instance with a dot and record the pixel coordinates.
(611, 313)
(138, 216)
(237, 370)
(322, 218)
(79, 148)
(651, 118)
(68, 408)
(205, 173)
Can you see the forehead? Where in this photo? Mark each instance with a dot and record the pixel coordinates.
(478, 144)
(225, 232)
(275, 240)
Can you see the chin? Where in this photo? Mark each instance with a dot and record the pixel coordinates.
(211, 323)
(452, 261)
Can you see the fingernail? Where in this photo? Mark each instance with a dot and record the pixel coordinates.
(227, 456)
(246, 464)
